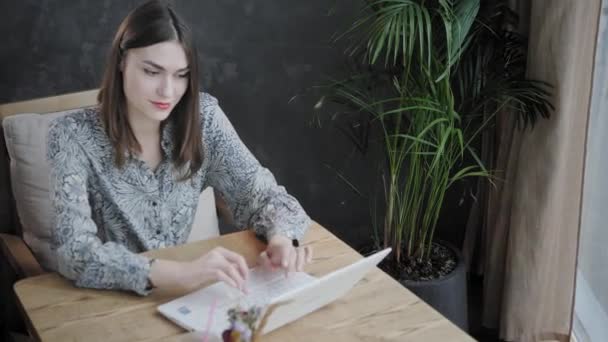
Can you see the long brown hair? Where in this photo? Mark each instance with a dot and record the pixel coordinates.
(151, 23)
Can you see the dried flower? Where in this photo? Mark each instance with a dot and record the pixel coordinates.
(242, 324)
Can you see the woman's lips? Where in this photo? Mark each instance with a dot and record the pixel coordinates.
(161, 105)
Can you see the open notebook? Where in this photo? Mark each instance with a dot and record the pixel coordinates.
(295, 296)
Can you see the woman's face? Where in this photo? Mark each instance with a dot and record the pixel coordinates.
(155, 78)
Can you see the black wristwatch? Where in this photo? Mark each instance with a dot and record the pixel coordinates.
(150, 285)
(294, 242)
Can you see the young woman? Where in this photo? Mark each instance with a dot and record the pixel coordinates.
(127, 175)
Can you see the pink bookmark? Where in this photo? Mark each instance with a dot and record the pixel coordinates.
(210, 320)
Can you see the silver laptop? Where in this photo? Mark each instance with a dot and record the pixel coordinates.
(289, 298)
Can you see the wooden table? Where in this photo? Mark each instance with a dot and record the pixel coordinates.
(377, 309)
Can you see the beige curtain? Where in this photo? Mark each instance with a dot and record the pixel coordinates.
(529, 235)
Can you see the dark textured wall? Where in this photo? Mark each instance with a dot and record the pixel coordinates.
(255, 56)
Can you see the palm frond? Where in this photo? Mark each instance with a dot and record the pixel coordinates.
(434, 75)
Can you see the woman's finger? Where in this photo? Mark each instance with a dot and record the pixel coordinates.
(308, 253)
(292, 258)
(300, 260)
(238, 260)
(231, 270)
(221, 276)
(264, 260)
(279, 256)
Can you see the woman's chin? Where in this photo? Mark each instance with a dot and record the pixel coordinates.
(158, 115)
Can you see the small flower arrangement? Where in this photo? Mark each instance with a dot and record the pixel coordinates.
(242, 325)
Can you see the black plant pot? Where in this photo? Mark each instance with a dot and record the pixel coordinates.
(448, 295)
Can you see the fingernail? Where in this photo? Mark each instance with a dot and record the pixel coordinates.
(284, 263)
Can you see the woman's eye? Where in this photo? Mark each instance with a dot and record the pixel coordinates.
(150, 72)
(184, 75)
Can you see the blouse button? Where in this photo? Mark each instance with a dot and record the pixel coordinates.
(158, 232)
(154, 204)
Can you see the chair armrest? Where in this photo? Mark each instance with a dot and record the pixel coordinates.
(19, 256)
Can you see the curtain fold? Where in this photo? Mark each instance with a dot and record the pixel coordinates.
(527, 243)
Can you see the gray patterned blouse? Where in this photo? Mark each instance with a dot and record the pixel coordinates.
(106, 215)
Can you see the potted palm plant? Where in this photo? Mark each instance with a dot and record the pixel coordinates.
(431, 76)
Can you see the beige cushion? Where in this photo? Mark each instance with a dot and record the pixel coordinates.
(205, 223)
(26, 136)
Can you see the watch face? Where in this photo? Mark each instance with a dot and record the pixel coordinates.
(295, 243)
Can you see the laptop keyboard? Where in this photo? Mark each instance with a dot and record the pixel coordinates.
(207, 308)
(263, 285)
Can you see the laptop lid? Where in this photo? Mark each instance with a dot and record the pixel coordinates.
(311, 297)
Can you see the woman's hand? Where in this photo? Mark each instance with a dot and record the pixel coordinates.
(280, 253)
(220, 264)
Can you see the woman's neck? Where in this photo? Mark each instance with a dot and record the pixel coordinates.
(147, 133)
(146, 130)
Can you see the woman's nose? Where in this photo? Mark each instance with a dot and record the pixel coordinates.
(165, 88)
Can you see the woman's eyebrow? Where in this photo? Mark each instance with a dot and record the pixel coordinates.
(161, 68)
